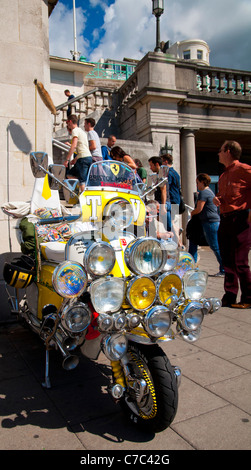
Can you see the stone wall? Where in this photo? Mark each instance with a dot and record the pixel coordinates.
(24, 57)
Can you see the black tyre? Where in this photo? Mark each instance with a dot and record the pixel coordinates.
(154, 405)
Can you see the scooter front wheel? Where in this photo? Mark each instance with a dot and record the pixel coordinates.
(151, 396)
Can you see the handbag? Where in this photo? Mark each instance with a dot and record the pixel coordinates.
(194, 231)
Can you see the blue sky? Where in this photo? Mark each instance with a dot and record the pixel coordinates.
(126, 28)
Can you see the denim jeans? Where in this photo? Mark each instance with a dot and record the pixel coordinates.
(210, 230)
(193, 250)
(168, 216)
(80, 169)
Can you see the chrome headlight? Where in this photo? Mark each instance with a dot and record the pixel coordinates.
(141, 292)
(114, 346)
(119, 321)
(145, 256)
(185, 263)
(213, 304)
(69, 279)
(168, 285)
(157, 321)
(76, 318)
(195, 284)
(120, 213)
(107, 294)
(105, 322)
(99, 259)
(133, 320)
(191, 316)
(189, 336)
(172, 254)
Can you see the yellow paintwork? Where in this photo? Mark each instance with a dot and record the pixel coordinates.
(46, 292)
(93, 203)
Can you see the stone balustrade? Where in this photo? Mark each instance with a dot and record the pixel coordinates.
(221, 81)
(191, 79)
(83, 105)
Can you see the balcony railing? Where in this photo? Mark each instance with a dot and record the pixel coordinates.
(225, 82)
(111, 71)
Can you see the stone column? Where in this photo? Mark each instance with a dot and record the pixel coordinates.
(188, 165)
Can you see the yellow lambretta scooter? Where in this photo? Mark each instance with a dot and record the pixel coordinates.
(93, 281)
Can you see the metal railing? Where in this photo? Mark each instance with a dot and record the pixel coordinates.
(111, 71)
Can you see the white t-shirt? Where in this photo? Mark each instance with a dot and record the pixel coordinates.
(82, 148)
(92, 135)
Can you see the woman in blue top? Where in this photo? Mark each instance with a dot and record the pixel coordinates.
(209, 218)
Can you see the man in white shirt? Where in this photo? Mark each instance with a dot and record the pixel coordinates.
(93, 139)
(79, 144)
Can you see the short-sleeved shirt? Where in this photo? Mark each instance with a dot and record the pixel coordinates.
(142, 173)
(92, 135)
(209, 212)
(82, 148)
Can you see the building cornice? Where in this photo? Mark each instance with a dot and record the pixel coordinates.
(51, 6)
(70, 65)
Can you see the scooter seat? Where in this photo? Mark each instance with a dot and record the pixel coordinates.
(53, 251)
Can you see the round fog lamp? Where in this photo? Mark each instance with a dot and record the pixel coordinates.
(133, 320)
(69, 279)
(76, 318)
(157, 321)
(168, 285)
(99, 259)
(145, 256)
(141, 292)
(192, 316)
(114, 346)
(120, 213)
(185, 263)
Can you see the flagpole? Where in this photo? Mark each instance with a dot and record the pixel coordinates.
(74, 53)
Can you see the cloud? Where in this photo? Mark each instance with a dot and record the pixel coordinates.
(127, 28)
(61, 38)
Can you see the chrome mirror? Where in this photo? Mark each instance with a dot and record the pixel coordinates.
(39, 163)
(70, 189)
(56, 176)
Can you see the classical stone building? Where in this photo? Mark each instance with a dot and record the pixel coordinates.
(169, 101)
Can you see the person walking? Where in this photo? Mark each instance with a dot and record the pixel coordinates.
(234, 200)
(93, 139)
(70, 97)
(209, 218)
(83, 158)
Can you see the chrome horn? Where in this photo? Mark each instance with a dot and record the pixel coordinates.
(66, 344)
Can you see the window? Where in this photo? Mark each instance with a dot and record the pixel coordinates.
(199, 55)
(186, 54)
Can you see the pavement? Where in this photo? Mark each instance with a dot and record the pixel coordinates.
(78, 414)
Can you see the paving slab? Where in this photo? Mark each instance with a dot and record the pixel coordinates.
(77, 413)
(227, 428)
